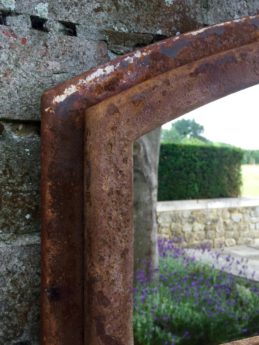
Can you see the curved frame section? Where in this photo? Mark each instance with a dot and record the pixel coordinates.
(111, 128)
(201, 57)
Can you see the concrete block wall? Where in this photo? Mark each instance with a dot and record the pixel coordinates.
(43, 43)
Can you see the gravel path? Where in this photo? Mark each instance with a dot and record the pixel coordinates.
(239, 260)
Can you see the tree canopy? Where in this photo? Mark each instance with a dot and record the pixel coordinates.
(184, 131)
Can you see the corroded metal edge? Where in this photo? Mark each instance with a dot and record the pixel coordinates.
(63, 110)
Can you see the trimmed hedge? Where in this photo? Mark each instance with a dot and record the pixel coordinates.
(199, 172)
(251, 157)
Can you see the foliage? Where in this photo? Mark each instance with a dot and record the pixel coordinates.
(170, 135)
(188, 128)
(251, 157)
(183, 130)
(189, 132)
(193, 304)
(196, 172)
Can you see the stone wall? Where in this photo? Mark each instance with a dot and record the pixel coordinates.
(216, 222)
(34, 56)
(43, 43)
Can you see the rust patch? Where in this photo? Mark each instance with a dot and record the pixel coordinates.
(10, 34)
(102, 299)
(105, 338)
(176, 49)
(23, 41)
(95, 266)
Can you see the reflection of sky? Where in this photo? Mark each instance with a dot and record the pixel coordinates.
(233, 119)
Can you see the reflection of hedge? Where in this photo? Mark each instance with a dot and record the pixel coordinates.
(198, 172)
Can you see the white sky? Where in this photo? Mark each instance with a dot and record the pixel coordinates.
(233, 119)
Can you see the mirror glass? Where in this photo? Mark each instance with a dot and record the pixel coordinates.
(197, 249)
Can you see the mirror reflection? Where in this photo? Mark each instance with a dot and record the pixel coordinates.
(197, 248)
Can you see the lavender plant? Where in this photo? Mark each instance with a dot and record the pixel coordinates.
(192, 303)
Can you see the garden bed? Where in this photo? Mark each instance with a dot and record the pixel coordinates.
(192, 304)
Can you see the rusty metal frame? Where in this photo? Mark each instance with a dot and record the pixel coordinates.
(87, 279)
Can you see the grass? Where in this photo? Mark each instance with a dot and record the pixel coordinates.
(193, 304)
(250, 177)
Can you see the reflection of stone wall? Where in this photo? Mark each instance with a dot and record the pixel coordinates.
(219, 222)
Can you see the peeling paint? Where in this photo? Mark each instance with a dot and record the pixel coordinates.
(138, 54)
(195, 33)
(130, 59)
(240, 20)
(100, 72)
(49, 109)
(67, 92)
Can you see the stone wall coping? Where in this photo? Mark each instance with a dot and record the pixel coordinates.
(199, 204)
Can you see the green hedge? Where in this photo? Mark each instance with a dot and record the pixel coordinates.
(199, 172)
(251, 157)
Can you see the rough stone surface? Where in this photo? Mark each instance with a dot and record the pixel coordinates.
(19, 298)
(19, 233)
(137, 16)
(19, 179)
(119, 15)
(226, 9)
(7, 5)
(32, 61)
(216, 227)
